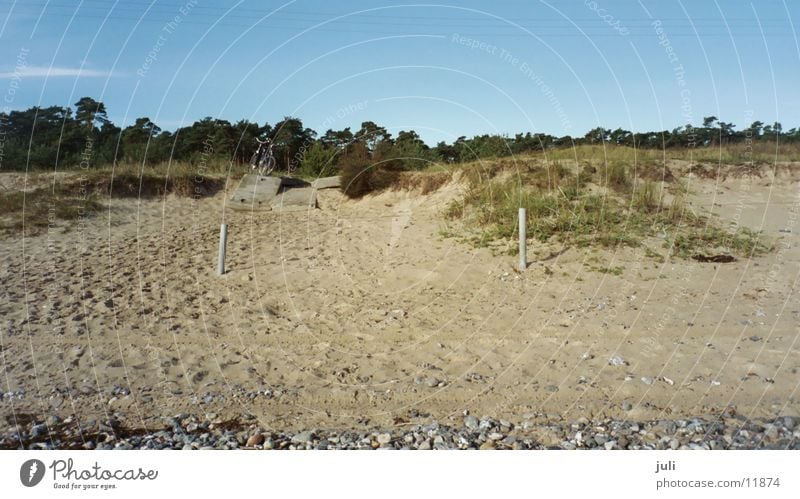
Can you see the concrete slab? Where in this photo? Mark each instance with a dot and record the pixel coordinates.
(255, 192)
(299, 199)
(327, 182)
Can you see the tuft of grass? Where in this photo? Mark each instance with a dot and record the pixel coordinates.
(34, 211)
(646, 198)
(424, 182)
(79, 195)
(559, 205)
(616, 176)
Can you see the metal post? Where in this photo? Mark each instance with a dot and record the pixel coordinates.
(523, 241)
(223, 240)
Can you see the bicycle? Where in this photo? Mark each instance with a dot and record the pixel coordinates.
(262, 159)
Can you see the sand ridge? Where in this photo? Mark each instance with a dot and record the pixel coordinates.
(361, 312)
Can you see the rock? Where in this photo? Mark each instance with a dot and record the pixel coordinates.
(432, 382)
(626, 406)
(788, 422)
(616, 361)
(674, 444)
(384, 438)
(551, 388)
(471, 422)
(303, 437)
(255, 440)
(771, 431)
(38, 430)
(495, 436)
(647, 380)
(487, 445)
(424, 445)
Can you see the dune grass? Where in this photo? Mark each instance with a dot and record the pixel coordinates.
(606, 206)
(80, 194)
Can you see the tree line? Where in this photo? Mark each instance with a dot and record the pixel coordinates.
(57, 137)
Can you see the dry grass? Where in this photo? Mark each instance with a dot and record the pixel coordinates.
(79, 194)
(423, 182)
(561, 205)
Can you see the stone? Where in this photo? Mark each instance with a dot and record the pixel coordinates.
(471, 422)
(626, 406)
(551, 388)
(771, 431)
(647, 380)
(38, 430)
(616, 360)
(487, 445)
(254, 440)
(303, 437)
(384, 438)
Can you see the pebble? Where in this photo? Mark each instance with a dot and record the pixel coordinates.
(617, 361)
(38, 430)
(303, 437)
(771, 432)
(254, 440)
(725, 431)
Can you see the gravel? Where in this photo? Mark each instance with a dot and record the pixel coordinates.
(184, 431)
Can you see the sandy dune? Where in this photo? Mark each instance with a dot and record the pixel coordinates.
(362, 313)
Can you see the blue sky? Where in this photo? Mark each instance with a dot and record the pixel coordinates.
(445, 70)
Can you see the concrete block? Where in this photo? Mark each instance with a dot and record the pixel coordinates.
(255, 192)
(327, 182)
(299, 199)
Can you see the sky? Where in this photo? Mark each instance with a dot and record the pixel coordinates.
(443, 69)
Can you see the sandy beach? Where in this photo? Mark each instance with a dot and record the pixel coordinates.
(362, 314)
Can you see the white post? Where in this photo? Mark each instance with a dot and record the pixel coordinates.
(523, 241)
(223, 239)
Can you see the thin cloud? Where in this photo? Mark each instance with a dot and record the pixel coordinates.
(52, 72)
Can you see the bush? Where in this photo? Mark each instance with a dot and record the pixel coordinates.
(318, 161)
(360, 175)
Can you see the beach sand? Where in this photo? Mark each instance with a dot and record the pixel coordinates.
(363, 313)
